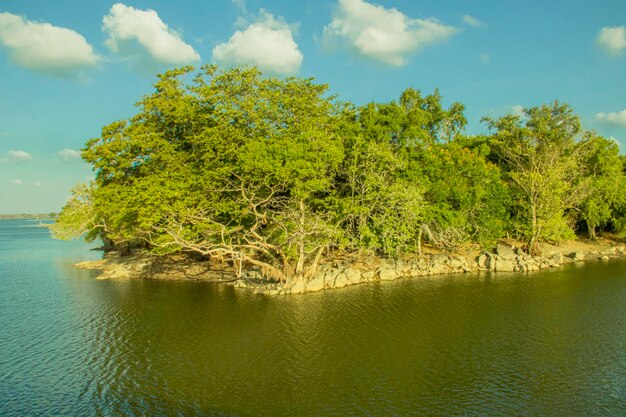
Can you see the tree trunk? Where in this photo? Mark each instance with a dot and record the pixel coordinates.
(592, 231)
(301, 254)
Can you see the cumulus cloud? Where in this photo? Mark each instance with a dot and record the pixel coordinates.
(135, 33)
(385, 35)
(19, 156)
(43, 47)
(612, 39)
(17, 182)
(473, 22)
(613, 118)
(267, 43)
(37, 184)
(69, 155)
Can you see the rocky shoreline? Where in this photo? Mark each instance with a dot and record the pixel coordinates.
(340, 273)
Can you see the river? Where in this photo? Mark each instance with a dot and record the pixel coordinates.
(545, 343)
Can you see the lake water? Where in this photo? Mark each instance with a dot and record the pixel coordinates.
(548, 343)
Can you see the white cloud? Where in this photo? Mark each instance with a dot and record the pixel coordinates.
(17, 182)
(385, 35)
(484, 57)
(19, 156)
(612, 39)
(37, 184)
(135, 33)
(268, 43)
(518, 110)
(69, 155)
(614, 118)
(473, 22)
(43, 47)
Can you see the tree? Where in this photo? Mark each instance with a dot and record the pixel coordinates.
(232, 165)
(542, 155)
(603, 167)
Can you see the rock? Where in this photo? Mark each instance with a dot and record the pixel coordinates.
(505, 252)
(605, 258)
(481, 261)
(316, 283)
(353, 275)
(520, 252)
(330, 276)
(298, 287)
(341, 281)
(577, 256)
(456, 262)
(557, 258)
(439, 259)
(506, 265)
(491, 262)
(387, 274)
(400, 265)
(368, 275)
(619, 249)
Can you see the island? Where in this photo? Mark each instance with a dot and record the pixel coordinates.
(277, 184)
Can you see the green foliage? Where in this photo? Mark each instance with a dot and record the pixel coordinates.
(270, 173)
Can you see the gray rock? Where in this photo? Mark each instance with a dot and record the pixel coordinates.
(298, 287)
(491, 262)
(368, 275)
(456, 262)
(439, 259)
(437, 268)
(353, 275)
(387, 274)
(341, 281)
(481, 261)
(605, 258)
(577, 256)
(316, 283)
(557, 258)
(506, 265)
(505, 252)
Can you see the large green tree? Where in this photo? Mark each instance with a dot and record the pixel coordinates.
(542, 154)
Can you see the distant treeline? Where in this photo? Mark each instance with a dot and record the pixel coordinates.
(28, 216)
(273, 173)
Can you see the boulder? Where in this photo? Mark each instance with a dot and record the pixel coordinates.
(506, 265)
(316, 283)
(577, 256)
(491, 262)
(353, 275)
(387, 274)
(481, 261)
(341, 281)
(456, 262)
(605, 258)
(557, 258)
(505, 252)
(298, 287)
(368, 275)
(439, 259)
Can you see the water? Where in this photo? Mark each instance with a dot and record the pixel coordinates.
(548, 343)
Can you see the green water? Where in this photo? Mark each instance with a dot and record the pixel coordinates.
(548, 343)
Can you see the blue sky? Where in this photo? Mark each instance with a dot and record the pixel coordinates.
(69, 67)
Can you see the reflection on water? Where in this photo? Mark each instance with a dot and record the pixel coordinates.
(549, 343)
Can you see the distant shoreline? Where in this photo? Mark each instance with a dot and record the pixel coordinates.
(25, 216)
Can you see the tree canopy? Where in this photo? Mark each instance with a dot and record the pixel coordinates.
(273, 173)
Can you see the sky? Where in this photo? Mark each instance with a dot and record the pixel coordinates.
(70, 67)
